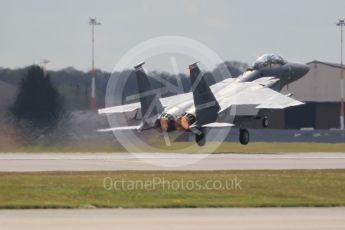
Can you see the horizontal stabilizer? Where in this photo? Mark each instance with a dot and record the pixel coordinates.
(120, 109)
(218, 125)
(119, 128)
(215, 125)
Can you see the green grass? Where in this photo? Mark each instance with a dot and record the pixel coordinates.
(226, 147)
(262, 188)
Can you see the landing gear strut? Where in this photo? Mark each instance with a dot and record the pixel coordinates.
(265, 122)
(244, 136)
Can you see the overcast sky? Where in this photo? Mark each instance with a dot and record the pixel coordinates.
(58, 30)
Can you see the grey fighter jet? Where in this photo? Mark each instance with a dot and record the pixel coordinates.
(231, 102)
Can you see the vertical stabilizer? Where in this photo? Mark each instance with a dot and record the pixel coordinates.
(206, 105)
(151, 106)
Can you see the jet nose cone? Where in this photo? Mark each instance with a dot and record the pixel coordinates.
(304, 69)
(300, 70)
(297, 71)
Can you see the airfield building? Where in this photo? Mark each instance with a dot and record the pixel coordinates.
(320, 90)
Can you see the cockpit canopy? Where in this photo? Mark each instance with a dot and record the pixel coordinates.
(268, 61)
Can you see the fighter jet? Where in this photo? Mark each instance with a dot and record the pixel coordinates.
(229, 103)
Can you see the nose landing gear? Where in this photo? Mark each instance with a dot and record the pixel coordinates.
(265, 122)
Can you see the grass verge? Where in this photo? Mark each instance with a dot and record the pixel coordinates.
(262, 188)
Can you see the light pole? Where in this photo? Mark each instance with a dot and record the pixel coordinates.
(341, 23)
(44, 63)
(93, 22)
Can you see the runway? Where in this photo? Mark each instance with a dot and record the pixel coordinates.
(30, 162)
(127, 219)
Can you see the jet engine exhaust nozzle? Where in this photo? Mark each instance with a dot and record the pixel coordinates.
(187, 120)
(167, 122)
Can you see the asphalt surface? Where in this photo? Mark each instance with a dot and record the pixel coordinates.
(25, 162)
(151, 219)
(286, 135)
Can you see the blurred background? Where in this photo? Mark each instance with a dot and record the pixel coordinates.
(46, 66)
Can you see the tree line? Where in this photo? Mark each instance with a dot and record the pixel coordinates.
(74, 86)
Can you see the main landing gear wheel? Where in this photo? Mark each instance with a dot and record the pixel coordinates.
(200, 139)
(265, 122)
(244, 136)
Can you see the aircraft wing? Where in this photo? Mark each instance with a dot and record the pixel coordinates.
(256, 94)
(166, 102)
(266, 81)
(275, 100)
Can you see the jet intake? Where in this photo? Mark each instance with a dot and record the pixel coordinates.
(187, 120)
